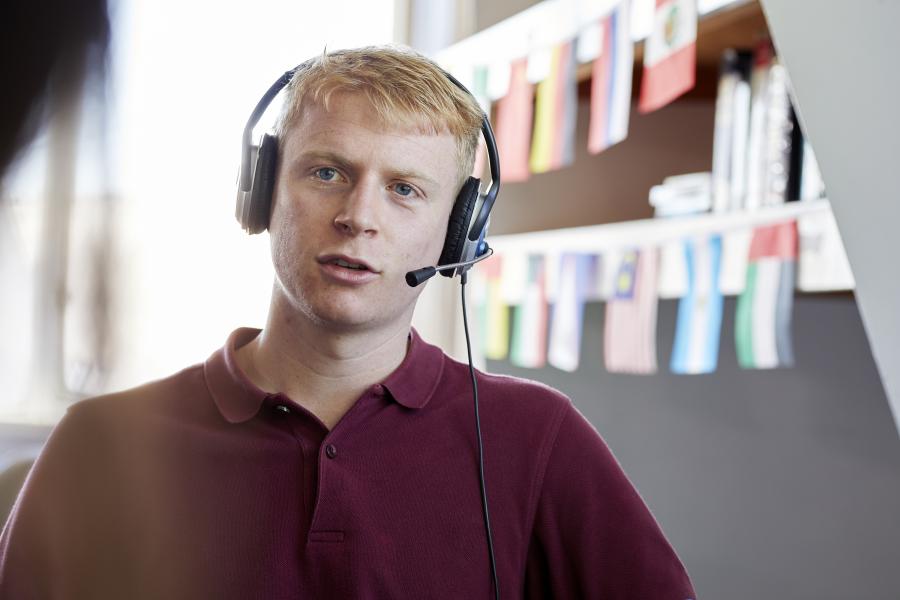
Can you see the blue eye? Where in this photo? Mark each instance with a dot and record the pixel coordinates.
(404, 189)
(326, 174)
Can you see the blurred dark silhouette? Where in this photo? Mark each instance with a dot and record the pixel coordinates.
(47, 49)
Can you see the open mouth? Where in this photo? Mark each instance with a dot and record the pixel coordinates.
(348, 265)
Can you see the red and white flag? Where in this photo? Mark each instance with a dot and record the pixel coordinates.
(670, 54)
(611, 81)
(514, 117)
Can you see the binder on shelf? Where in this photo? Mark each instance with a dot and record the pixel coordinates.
(778, 136)
(731, 131)
(756, 163)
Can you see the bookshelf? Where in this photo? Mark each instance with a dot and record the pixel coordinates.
(612, 187)
(596, 238)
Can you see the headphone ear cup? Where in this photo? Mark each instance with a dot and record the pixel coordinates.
(263, 186)
(458, 226)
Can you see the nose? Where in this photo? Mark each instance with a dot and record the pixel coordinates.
(358, 213)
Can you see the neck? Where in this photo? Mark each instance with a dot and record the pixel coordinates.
(321, 368)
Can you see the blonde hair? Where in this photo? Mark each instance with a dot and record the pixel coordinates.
(405, 88)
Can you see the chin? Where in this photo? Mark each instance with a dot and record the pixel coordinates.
(343, 313)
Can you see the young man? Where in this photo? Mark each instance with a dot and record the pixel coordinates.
(333, 454)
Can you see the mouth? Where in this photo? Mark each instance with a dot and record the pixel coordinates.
(346, 262)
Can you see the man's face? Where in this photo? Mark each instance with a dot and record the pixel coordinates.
(353, 190)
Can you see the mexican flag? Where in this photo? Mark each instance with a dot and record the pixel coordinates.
(670, 54)
(763, 314)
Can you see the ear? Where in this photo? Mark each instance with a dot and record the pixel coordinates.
(458, 225)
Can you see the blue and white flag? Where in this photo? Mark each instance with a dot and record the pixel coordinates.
(699, 326)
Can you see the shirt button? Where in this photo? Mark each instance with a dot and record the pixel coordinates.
(330, 451)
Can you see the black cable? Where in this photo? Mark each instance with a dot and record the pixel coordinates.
(484, 502)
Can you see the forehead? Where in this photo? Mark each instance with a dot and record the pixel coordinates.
(351, 126)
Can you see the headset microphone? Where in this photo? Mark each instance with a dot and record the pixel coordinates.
(419, 276)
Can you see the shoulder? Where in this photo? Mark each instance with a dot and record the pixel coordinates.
(512, 392)
(525, 409)
(125, 418)
(113, 432)
(176, 393)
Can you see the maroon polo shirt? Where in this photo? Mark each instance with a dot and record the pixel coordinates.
(201, 485)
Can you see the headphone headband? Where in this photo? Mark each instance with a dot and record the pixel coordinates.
(255, 116)
(486, 131)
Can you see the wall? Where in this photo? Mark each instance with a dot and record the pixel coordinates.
(770, 484)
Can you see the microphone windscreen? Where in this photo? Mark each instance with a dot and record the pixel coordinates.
(414, 278)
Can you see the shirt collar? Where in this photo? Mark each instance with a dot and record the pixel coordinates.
(412, 384)
(415, 381)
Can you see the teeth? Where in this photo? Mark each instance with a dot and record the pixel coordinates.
(344, 263)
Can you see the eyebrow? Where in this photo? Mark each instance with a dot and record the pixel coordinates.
(342, 162)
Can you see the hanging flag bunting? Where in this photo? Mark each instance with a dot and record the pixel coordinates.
(594, 289)
(629, 340)
(529, 334)
(514, 279)
(612, 260)
(763, 314)
(553, 140)
(479, 91)
(611, 82)
(696, 348)
(513, 124)
(568, 311)
(673, 270)
(822, 263)
(735, 251)
(669, 54)
(480, 87)
(495, 316)
(498, 80)
(552, 270)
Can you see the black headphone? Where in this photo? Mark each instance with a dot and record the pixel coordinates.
(468, 219)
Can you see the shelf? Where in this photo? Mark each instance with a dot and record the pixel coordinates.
(649, 232)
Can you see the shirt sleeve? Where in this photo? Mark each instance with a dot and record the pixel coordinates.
(48, 548)
(593, 536)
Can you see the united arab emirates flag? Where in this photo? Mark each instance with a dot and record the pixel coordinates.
(763, 315)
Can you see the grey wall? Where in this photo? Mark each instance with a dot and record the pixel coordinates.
(842, 60)
(770, 484)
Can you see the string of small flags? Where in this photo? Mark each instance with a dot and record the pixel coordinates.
(530, 305)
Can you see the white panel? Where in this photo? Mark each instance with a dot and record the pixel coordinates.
(842, 60)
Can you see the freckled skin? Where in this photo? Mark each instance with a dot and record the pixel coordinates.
(347, 184)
